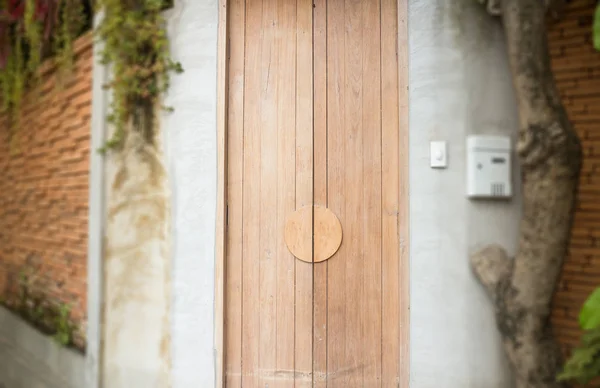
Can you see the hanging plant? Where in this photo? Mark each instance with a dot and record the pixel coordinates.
(30, 31)
(136, 48)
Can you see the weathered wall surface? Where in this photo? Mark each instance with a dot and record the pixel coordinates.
(44, 187)
(459, 85)
(577, 72)
(137, 266)
(160, 228)
(29, 359)
(136, 334)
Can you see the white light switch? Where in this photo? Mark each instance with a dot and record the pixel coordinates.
(438, 155)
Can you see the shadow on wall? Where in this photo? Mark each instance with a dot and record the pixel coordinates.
(29, 295)
(30, 359)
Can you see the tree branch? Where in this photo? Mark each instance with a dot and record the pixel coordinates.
(491, 266)
(550, 159)
(554, 7)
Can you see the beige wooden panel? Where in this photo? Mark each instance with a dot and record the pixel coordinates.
(254, 76)
(316, 116)
(268, 325)
(363, 291)
(392, 313)
(372, 192)
(286, 198)
(304, 189)
(234, 221)
(345, 192)
(320, 188)
(337, 360)
(220, 242)
(268, 103)
(354, 137)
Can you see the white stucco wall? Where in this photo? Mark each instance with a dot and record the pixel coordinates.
(191, 138)
(459, 85)
(190, 149)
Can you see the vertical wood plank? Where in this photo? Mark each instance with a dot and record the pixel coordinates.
(392, 221)
(354, 131)
(234, 221)
(269, 78)
(320, 187)
(354, 134)
(336, 273)
(222, 92)
(371, 129)
(251, 194)
(304, 188)
(352, 140)
(403, 214)
(286, 196)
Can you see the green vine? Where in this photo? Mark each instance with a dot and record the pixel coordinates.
(30, 32)
(32, 304)
(137, 49)
(584, 364)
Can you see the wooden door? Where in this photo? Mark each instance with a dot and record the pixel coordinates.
(313, 120)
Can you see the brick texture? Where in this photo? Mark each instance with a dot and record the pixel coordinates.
(44, 182)
(44, 186)
(577, 72)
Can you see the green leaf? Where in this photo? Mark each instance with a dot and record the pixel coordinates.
(584, 363)
(596, 28)
(589, 316)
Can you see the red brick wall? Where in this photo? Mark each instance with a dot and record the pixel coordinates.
(577, 71)
(44, 186)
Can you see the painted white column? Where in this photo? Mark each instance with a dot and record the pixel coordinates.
(96, 218)
(459, 84)
(191, 137)
(133, 328)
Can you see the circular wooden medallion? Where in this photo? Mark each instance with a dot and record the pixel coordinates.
(299, 234)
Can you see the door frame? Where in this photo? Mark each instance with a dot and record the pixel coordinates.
(221, 227)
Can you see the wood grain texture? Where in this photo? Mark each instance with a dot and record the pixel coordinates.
(372, 194)
(313, 234)
(286, 198)
(254, 72)
(336, 161)
(304, 188)
(391, 314)
(220, 243)
(298, 233)
(270, 77)
(320, 187)
(327, 234)
(364, 144)
(317, 122)
(234, 223)
(355, 348)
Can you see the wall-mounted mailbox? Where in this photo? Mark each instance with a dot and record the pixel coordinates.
(489, 167)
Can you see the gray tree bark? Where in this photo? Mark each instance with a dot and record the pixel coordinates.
(550, 155)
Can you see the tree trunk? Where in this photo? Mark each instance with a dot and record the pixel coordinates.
(550, 156)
